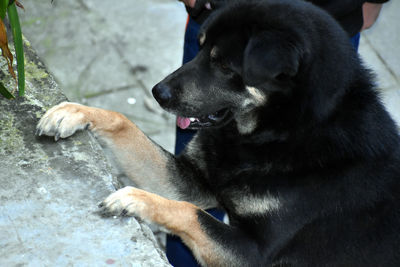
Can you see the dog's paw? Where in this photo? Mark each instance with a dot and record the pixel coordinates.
(62, 121)
(128, 201)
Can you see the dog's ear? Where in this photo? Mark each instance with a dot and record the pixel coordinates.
(269, 56)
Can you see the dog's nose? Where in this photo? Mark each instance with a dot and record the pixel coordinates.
(162, 93)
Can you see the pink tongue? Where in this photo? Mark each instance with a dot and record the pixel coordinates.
(183, 123)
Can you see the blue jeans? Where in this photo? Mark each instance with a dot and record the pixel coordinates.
(355, 41)
(190, 49)
(177, 253)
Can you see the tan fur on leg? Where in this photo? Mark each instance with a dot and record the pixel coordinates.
(178, 217)
(140, 158)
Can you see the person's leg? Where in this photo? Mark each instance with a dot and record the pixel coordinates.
(177, 253)
(355, 41)
(190, 49)
(183, 137)
(191, 46)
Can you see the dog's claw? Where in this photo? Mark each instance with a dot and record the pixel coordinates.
(59, 121)
(39, 132)
(57, 137)
(124, 212)
(104, 212)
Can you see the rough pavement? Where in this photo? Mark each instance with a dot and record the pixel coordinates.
(49, 191)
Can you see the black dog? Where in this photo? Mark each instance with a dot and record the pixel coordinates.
(293, 143)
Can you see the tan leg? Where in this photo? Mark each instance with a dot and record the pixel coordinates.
(154, 170)
(141, 159)
(178, 217)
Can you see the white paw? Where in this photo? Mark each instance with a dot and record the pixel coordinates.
(62, 121)
(128, 201)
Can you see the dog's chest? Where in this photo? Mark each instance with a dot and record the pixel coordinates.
(245, 202)
(236, 161)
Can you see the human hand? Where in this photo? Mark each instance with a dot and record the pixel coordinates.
(201, 9)
(370, 14)
(189, 3)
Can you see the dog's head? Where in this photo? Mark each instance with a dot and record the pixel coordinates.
(254, 55)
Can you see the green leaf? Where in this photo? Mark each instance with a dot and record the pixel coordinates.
(19, 47)
(3, 8)
(5, 92)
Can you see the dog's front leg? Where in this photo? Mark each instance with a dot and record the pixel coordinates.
(212, 242)
(151, 168)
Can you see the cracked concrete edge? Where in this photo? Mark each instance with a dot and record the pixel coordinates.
(49, 191)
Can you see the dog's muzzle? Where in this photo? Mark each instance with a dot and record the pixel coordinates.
(216, 119)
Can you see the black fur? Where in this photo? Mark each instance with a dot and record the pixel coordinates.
(322, 144)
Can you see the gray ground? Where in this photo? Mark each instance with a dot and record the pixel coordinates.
(49, 191)
(111, 53)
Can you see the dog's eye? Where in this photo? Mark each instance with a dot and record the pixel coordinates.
(217, 61)
(282, 77)
(224, 66)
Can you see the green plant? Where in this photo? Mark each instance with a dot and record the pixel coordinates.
(9, 8)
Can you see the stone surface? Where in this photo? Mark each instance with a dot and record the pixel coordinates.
(49, 191)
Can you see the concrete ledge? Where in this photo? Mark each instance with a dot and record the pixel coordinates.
(49, 191)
